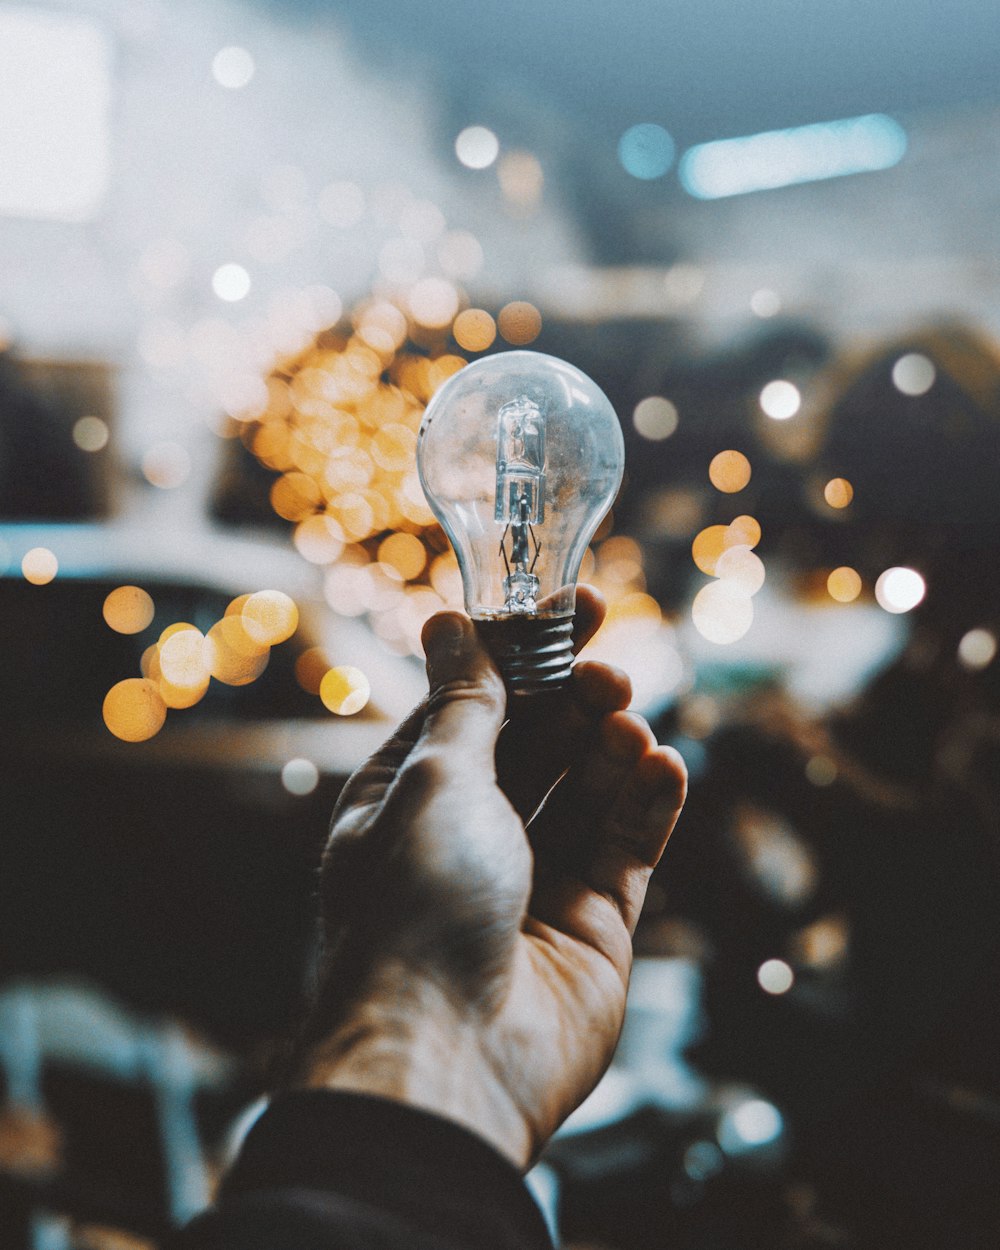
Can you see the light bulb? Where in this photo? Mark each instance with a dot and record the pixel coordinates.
(520, 456)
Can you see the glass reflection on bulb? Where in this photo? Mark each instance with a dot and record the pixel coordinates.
(520, 456)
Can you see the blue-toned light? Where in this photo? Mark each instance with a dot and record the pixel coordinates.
(781, 158)
(646, 151)
(749, 1125)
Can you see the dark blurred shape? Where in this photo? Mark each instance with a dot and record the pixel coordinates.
(44, 475)
(178, 877)
(882, 1044)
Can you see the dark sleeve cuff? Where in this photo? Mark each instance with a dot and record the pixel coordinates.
(417, 1169)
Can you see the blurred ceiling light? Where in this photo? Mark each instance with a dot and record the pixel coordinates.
(655, 418)
(782, 158)
(913, 374)
(646, 151)
(775, 976)
(977, 649)
(233, 67)
(39, 566)
(300, 776)
(231, 282)
(900, 589)
(477, 147)
(91, 434)
(780, 400)
(55, 97)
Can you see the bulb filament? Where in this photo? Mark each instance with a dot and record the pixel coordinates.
(520, 499)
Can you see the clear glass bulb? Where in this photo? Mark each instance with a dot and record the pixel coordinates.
(520, 456)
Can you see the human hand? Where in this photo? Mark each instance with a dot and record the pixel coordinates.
(475, 966)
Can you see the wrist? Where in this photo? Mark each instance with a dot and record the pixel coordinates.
(413, 1046)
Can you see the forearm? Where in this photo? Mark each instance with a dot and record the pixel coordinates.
(405, 1040)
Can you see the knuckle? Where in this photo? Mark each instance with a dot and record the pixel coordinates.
(486, 690)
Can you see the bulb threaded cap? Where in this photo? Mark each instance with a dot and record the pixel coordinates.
(534, 653)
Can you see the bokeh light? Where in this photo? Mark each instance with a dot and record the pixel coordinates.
(460, 255)
(477, 147)
(236, 658)
(821, 770)
(520, 323)
(405, 553)
(838, 492)
(300, 776)
(752, 1123)
(434, 302)
(775, 976)
(655, 418)
(270, 617)
(231, 282)
(913, 374)
(474, 330)
(844, 584)
(742, 531)
(765, 303)
(977, 649)
(708, 545)
(233, 67)
(780, 399)
(91, 434)
(729, 471)
(39, 566)
(311, 667)
(128, 610)
(722, 613)
(646, 151)
(186, 659)
(166, 465)
(134, 710)
(319, 539)
(899, 589)
(345, 690)
(741, 568)
(521, 179)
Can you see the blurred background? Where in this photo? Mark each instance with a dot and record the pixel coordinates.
(241, 245)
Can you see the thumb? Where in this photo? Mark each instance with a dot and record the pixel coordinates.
(467, 702)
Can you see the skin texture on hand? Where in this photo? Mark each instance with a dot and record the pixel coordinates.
(480, 890)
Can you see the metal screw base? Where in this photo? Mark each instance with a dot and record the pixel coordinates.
(534, 653)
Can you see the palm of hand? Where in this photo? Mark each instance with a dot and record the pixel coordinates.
(527, 928)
